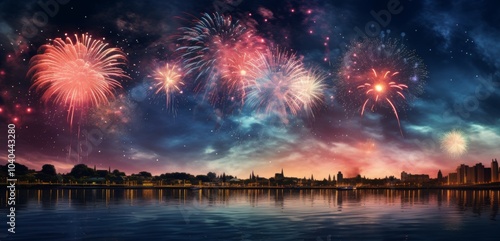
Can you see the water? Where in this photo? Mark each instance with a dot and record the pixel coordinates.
(173, 214)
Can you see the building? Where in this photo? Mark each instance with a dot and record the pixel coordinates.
(340, 177)
(279, 176)
(440, 176)
(404, 176)
(494, 171)
(462, 173)
(414, 178)
(479, 173)
(470, 175)
(452, 178)
(487, 174)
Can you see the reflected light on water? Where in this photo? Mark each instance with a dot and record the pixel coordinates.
(255, 214)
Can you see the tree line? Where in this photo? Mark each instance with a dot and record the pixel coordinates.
(81, 173)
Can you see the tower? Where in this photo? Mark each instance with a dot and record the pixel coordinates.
(404, 176)
(440, 176)
(479, 173)
(462, 173)
(470, 176)
(340, 177)
(494, 170)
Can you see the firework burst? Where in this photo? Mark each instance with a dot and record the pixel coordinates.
(168, 80)
(218, 48)
(382, 88)
(380, 73)
(77, 75)
(234, 75)
(310, 89)
(279, 84)
(454, 143)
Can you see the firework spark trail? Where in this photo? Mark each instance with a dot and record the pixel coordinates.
(383, 87)
(380, 73)
(454, 143)
(218, 48)
(169, 80)
(279, 84)
(77, 75)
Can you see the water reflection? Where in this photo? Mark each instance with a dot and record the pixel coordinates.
(475, 201)
(253, 214)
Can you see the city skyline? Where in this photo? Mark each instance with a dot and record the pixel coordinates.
(450, 177)
(310, 87)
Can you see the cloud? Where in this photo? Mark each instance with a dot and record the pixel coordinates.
(265, 13)
(200, 137)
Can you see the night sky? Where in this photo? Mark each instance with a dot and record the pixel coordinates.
(456, 40)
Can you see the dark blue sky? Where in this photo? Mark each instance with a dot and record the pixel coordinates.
(456, 40)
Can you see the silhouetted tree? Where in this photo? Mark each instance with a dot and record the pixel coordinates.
(203, 178)
(21, 169)
(176, 176)
(211, 176)
(145, 174)
(49, 170)
(117, 173)
(47, 174)
(22, 172)
(81, 170)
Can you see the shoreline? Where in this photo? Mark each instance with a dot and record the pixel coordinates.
(98, 186)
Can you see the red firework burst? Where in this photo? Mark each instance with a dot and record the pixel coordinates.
(219, 49)
(383, 88)
(380, 73)
(77, 75)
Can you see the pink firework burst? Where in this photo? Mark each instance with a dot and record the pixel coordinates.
(380, 73)
(216, 50)
(168, 80)
(279, 84)
(383, 88)
(77, 74)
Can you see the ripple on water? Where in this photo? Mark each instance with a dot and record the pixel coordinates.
(256, 215)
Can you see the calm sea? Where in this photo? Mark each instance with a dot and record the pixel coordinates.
(155, 214)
